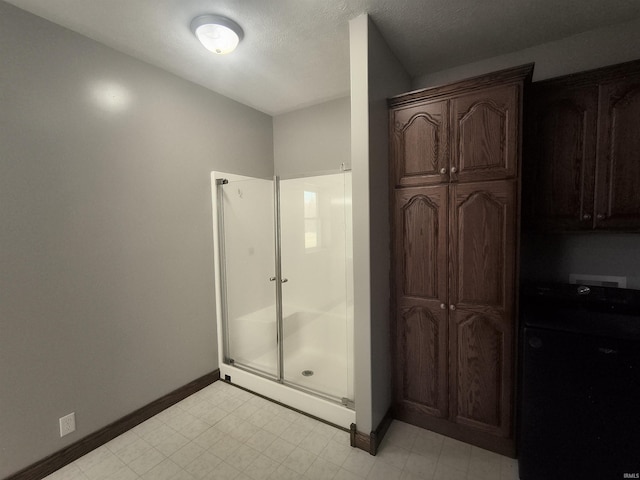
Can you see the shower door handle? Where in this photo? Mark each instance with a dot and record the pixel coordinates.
(273, 279)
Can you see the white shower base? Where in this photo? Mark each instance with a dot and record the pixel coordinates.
(313, 405)
(309, 345)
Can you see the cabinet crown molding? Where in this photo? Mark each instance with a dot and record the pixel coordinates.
(501, 77)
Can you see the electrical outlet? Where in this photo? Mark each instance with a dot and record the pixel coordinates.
(67, 424)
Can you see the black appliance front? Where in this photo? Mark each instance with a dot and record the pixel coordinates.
(579, 397)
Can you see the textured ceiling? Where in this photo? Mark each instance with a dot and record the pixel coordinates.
(296, 52)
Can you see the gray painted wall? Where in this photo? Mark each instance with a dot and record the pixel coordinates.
(375, 75)
(313, 139)
(387, 78)
(106, 291)
(592, 49)
(553, 257)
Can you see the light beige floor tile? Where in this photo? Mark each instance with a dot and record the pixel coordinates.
(322, 469)
(225, 433)
(93, 458)
(279, 449)
(359, 462)
(171, 444)
(209, 437)
(284, 473)
(347, 475)
(299, 460)
(125, 473)
(187, 454)
(447, 473)
(201, 466)
(277, 425)
(105, 469)
(146, 461)
(393, 455)
(224, 447)
(484, 465)
(314, 442)
(242, 457)
(261, 468)
(421, 466)
(70, 472)
(223, 471)
(336, 452)
(384, 471)
(165, 470)
(295, 433)
(261, 440)
(133, 450)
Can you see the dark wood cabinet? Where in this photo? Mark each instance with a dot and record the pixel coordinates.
(582, 165)
(454, 254)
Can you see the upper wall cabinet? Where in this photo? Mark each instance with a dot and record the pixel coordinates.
(465, 137)
(582, 166)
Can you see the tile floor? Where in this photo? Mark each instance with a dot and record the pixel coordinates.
(225, 433)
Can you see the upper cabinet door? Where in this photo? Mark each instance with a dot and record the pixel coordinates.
(561, 158)
(485, 134)
(618, 167)
(420, 143)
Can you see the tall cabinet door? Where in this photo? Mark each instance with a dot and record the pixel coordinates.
(618, 168)
(485, 136)
(420, 236)
(420, 143)
(559, 191)
(482, 281)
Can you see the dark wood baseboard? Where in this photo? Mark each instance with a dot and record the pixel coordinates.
(63, 457)
(370, 443)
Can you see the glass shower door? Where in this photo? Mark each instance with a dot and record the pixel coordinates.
(317, 306)
(247, 210)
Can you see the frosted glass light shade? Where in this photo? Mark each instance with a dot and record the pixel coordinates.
(218, 34)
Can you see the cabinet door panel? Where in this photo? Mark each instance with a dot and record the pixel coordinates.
(419, 136)
(618, 169)
(483, 235)
(422, 363)
(485, 134)
(481, 368)
(562, 158)
(420, 244)
(420, 277)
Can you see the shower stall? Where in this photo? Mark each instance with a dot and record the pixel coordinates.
(285, 289)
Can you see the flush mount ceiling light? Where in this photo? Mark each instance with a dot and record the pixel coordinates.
(218, 34)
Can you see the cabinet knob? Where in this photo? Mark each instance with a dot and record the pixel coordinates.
(586, 216)
(452, 307)
(443, 171)
(454, 169)
(601, 216)
(443, 306)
